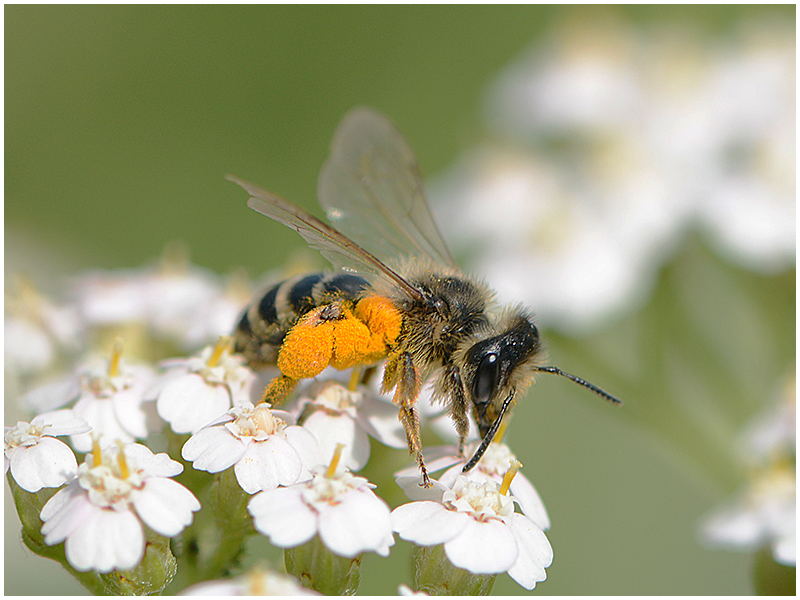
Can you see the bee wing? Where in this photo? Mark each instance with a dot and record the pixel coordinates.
(371, 189)
(340, 250)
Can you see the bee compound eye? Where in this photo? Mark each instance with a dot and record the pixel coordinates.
(485, 378)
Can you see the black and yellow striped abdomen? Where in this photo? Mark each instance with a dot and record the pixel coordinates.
(265, 323)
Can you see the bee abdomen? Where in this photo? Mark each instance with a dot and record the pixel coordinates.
(266, 321)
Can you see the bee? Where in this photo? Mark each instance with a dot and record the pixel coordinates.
(398, 296)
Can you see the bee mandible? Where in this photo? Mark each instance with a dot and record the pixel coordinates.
(398, 296)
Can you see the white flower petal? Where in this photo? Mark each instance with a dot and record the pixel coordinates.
(130, 412)
(785, 551)
(188, 403)
(483, 547)
(535, 552)
(213, 449)
(413, 488)
(164, 505)
(307, 447)
(360, 522)
(27, 346)
(286, 417)
(427, 523)
(48, 463)
(64, 512)
(52, 395)
(100, 414)
(60, 422)
(268, 464)
(734, 527)
(529, 501)
(108, 540)
(330, 430)
(283, 517)
(156, 465)
(379, 419)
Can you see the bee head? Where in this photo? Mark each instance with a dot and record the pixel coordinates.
(495, 366)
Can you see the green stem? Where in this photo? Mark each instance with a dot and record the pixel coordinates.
(436, 575)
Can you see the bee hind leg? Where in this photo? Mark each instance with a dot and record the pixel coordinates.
(277, 389)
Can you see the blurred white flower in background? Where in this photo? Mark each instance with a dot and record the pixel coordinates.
(764, 513)
(175, 300)
(37, 329)
(606, 145)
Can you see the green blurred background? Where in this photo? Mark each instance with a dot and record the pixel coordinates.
(121, 122)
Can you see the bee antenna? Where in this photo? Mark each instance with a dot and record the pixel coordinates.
(583, 382)
(489, 435)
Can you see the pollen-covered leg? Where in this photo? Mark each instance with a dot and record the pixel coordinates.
(354, 344)
(308, 347)
(277, 389)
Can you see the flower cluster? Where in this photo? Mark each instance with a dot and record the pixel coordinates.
(293, 468)
(605, 148)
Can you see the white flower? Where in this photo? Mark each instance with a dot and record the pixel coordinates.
(339, 507)
(493, 466)
(35, 457)
(337, 415)
(197, 390)
(263, 446)
(112, 401)
(108, 394)
(257, 582)
(764, 514)
(101, 514)
(479, 530)
(725, 123)
(54, 394)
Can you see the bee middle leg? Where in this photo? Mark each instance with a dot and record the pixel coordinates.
(405, 377)
(453, 389)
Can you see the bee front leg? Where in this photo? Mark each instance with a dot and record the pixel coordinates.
(406, 377)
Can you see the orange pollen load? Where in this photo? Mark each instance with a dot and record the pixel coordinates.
(347, 340)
